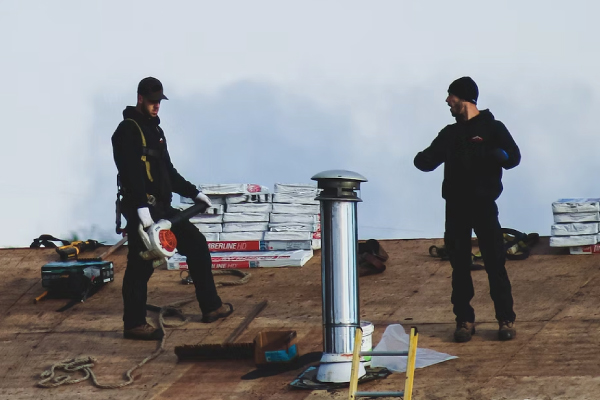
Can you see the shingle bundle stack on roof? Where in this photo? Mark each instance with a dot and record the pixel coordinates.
(247, 208)
(249, 212)
(295, 214)
(239, 212)
(250, 227)
(576, 223)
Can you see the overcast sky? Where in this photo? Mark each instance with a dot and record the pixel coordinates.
(276, 91)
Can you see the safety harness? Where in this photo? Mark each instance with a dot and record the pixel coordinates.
(145, 150)
(120, 191)
(46, 240)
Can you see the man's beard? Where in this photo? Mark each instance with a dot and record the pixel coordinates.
(456, 111)
(146, 112)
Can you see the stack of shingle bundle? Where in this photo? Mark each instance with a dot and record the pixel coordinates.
(248, 227)
(241, 212)
(576, 223)
(296, 214)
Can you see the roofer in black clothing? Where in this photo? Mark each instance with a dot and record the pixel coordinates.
(148, 179)
(474, 150)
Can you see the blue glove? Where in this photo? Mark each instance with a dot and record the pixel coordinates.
(500, 155)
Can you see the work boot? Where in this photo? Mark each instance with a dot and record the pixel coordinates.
(464, 331)
(222, 312)
(506, 330)
(143, 332)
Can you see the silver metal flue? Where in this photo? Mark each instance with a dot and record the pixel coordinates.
(339, 237)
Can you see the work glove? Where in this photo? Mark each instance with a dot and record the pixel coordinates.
(202, 198)
(145, 217)
(499, 155)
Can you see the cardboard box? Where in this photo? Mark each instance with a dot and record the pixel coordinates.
(275, 348)
(592, 249)
(259, 245)
(248, 259)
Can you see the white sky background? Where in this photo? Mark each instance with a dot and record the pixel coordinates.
(276, 91)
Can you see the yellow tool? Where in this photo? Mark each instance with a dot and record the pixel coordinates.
(71, 251)
(59, 272)
(40, 297)
(353, 394)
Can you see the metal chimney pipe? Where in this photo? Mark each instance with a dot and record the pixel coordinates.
(339, 275)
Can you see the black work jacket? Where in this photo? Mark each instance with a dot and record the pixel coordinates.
(156, 176)
(466, 148)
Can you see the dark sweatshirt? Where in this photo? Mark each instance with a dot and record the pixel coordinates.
(467, 149)
(127, 152)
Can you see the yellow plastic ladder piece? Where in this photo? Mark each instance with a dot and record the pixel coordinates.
(410, 363)
(353, 394)
(355, 364)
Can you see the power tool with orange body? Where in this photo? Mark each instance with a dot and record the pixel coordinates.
(159, 240)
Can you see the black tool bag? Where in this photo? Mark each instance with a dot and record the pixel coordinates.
(371, 258)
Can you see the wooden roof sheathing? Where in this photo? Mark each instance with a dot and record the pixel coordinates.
(554, 356)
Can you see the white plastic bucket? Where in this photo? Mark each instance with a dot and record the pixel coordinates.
(367, 341)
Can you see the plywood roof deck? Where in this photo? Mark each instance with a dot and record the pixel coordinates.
(556, 354)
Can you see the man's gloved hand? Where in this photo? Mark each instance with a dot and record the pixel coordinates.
(499, 155)
(202, 198)
(145, 217)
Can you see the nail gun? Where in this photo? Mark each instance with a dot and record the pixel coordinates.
(159, 240)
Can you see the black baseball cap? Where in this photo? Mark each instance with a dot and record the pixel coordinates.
(152, 89)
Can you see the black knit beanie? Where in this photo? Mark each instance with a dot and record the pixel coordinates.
(464, 88)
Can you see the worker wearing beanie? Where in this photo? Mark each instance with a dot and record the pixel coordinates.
(474, 151)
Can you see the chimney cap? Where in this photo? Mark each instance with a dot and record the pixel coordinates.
(339, 174)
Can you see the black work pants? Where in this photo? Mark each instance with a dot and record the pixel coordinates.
(462, 217)
(190, 242)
